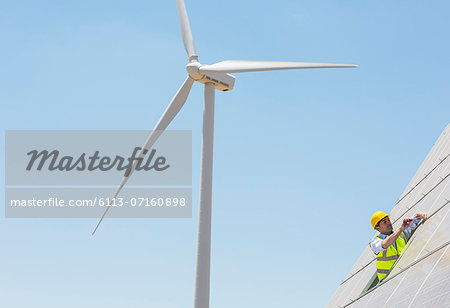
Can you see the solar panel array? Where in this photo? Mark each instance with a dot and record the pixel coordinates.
(421, 275)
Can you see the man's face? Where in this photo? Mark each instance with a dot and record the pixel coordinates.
(385, 226)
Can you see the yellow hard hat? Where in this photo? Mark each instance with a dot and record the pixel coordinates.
(377, 217)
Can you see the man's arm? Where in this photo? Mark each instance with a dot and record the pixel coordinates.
(421, 215)
(388, 241)
(418, 217)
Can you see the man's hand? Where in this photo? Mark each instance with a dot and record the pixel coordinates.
(421, 215)
(406, 223)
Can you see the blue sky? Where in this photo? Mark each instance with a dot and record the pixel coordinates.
(302, 158)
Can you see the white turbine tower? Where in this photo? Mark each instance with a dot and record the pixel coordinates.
(215, 76)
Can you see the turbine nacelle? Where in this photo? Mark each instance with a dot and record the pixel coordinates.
(222, 82)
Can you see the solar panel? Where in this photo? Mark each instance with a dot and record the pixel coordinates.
(408, 283)
(435, 291)
(421, 275)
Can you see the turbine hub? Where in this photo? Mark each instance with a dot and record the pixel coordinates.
(193, 70)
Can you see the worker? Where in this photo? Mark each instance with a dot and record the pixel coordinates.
(388, 244)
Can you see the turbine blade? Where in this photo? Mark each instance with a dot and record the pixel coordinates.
(241, 66)
(171, 111)
(186, 32)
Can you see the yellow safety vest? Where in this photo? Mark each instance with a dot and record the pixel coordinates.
(387, 258)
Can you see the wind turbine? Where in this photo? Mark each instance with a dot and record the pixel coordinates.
(214, 76)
